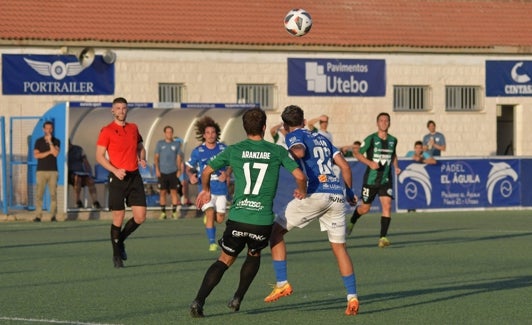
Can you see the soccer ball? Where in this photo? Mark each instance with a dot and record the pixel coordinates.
(297, 22)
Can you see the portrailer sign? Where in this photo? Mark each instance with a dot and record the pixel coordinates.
(55, 75)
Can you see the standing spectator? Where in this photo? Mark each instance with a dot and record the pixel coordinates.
(433, 142)
(123, 144)
(419, 155)
(80, 175)
(168, 169)
(256, 165)
(208, 131)
(324, 124)
(278, 133)
(325, 202)
(46, 150)
(380, 150)
(349, 151)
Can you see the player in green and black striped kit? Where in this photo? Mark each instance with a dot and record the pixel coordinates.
(379, 148)
(255, 163)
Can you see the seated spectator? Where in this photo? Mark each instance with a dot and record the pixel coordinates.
(349, 151)
(80, 175)
(419, 155)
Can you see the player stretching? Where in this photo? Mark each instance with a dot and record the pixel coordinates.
(325, 202)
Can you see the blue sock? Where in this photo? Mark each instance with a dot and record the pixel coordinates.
(211, 235)
(350, 284)
(280, 270)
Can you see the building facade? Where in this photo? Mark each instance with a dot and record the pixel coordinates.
(417, 87)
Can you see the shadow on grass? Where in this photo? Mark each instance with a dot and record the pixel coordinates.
(103, 234)
(353, 240)
(285, 305)
(47, 226)
(460, 239)
(454, 291)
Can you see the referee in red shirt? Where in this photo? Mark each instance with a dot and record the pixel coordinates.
(123, 144)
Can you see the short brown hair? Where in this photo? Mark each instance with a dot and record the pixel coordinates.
(121, 100)
(293, 115)
(254, 120)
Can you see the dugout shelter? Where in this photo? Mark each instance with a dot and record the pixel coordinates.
(81, 122)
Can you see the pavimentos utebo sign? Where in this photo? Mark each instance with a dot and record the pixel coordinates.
(336, 77)
(55, 75)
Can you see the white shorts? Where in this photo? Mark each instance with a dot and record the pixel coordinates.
(218, 202)
(330, 209)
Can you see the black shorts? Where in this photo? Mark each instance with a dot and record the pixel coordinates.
(237, 235)
(130, 191)
(72, 178)
(370, 191)
(168, 181)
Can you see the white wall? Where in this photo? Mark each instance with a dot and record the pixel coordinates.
(211, 76)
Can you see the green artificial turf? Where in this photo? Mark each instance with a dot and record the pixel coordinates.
(442, 268)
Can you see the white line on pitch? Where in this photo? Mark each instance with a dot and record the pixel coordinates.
(50, 321)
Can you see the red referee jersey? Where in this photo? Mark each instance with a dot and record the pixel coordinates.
(121, 144)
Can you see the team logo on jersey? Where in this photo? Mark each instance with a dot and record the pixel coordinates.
(250, 205)
(292, 139)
